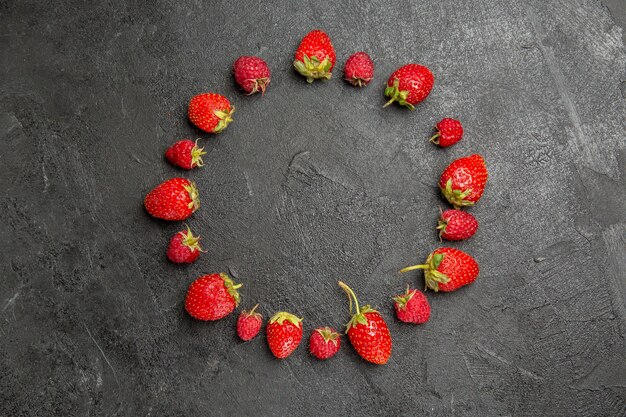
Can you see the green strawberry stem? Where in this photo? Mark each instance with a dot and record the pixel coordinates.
(398, 95)
(358, 317)
(351, 296)
(431, 275)
(251, 312)
(414, 267)
(434, 138)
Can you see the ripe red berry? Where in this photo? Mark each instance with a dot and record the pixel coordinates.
(449, 132)
(210, 112)
(409, 85)
(174, 199)
(248, 324)
(359, 69)
(284, 333)
(212, 297)
(324, 343)
(447, 269)
(252, 74)
(185, 154)
(412, 307)
(462, 183)
(315, 56)
(456, 225)
(184, 247)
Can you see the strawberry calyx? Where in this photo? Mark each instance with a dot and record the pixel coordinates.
(196, 155)
(194, 204)
(231, 287)
(260, 84)
(191, 241)
(281, 316)
(403, 299)
(441, 226)
(456, 197)
(359, 316)
(313, 69)
(398, 95)
(432, 276)
(328, 335)
(225, 119)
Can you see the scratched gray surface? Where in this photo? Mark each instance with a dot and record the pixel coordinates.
(310, 184)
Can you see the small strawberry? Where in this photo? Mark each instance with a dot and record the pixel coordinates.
(449, 132)
(456, 225)
(324, 343)
(447, 269)
(367, 331)
(174, 199)
(359, 69)
(248, 324)
(412, 307)
(284, 333)
(210, 112)
(212, 297)
(184, 247)
(315, 57)
(252, 74)
(462, 183)
(409, 85)
(185, 154)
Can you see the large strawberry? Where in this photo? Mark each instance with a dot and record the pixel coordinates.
(284, 333)
(367, 331)
(447, 269)
(315, 57)
(462, 183)
(174, 199)
(212, 297)
(210, 112)
(409, 85)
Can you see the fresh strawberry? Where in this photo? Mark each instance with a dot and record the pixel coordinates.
(447, 269)
(324, 343)
(462, 183)
(359, 69)
(212, 297)
(210, 112)
(367, 331)
(284, 333)
(248, 324)
(174, 199)
(449, 132)
(456, 225)
(409, 85)
(185, 154)
(184, 247)
(252, 74)
(315, 57)
(412, 307)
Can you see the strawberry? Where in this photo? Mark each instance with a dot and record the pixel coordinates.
(324, 343)
(210, 112)
(359, 69)
(315, 57)
(447, 269)
(284, 333)
(184, 247)
(409, 85)
(412, 307)
(174, 199)
(185, 154)
(449, 132)
(462, 183)
(252, 74)
(367, 331)
(456, 225)
(248, 324)
(212, 297)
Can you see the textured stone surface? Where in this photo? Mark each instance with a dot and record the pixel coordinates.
(311, 183)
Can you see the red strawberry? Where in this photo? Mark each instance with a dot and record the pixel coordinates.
(359, 69)
(184, 247)
(412, 307)
(409, 85)
(252, 74)
(174, 199)
(212, 297)
(324, 343)
(315, 57)
(456, 225)
(447, 269)
(185, 154)
(210, 112)
(248, 324)
(368, 332)
(463, 181)
(284, 333)
(449, 132)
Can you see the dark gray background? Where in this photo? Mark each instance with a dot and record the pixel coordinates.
(311, 184)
